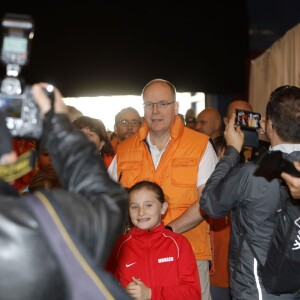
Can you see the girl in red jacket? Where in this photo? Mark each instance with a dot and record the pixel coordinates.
(150, 261)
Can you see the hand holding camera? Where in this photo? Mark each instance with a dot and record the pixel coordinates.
(45, 96)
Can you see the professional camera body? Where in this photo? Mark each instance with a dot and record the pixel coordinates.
(16, 102)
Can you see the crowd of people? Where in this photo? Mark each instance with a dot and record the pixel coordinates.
(156, 209)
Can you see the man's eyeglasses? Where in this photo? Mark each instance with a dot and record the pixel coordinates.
(159, 105)
(133, 123)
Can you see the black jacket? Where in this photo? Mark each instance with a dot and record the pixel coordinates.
(232, 188)
(93, 205)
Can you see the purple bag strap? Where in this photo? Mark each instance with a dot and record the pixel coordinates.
(83, 281)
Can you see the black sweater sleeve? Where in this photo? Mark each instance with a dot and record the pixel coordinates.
(80, 170)
(76, 159)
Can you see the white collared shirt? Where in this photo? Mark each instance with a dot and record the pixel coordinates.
(286, 148)
(155, 152)
(206, 165)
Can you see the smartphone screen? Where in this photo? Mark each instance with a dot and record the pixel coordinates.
(247, 120)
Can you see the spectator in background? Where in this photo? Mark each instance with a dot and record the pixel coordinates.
(95, 131)
(150, 246)
(44, 175)
(127, 122)
(209, 121)
(190, 118)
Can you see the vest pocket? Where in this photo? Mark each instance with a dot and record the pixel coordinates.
(184, 171)
(130, 171)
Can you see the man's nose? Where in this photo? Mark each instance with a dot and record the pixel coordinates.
(155, 108)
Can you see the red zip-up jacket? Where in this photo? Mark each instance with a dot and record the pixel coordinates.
(163, 260)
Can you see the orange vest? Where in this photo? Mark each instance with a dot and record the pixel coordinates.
(176, 174)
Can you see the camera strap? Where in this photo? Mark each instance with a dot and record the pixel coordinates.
(83, 277)
(24, 164)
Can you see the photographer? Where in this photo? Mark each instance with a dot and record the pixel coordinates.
(89, 200)
(253, 201)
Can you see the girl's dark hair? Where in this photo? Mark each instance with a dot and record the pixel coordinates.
(98, 127)
(149, 185)
(283, 109)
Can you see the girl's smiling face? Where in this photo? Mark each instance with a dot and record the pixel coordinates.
(145, 209)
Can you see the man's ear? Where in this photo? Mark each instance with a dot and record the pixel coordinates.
(218, 124)
(164, 207)
(176, 107)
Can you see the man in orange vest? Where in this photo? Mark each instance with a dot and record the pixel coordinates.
(176, 157)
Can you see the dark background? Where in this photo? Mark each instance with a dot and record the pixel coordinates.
(115, 47)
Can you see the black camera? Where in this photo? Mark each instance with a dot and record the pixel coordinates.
(16, 101)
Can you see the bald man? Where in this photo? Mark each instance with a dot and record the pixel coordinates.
(209, 121)
(238, 104)
(190, 119)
